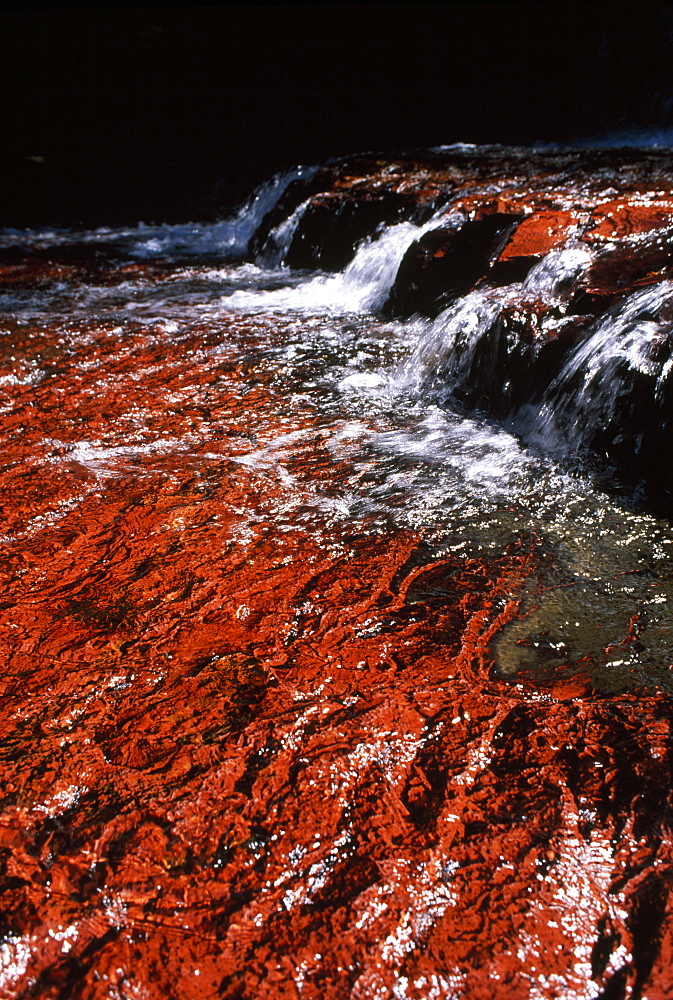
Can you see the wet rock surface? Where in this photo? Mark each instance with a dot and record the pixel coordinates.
(258, 742)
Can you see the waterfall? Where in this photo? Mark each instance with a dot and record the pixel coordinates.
(466, 344)
(615, 379)
(279, 240)
(446, 345)
(367, 280)
(557, 274)
(516, 351)
(362, 286)
(229, 237)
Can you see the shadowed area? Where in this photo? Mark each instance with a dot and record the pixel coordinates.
(167, 113)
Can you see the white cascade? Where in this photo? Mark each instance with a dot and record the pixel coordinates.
(229, 237)
(446, 345)
(558, 273)
(279, 240)
(363, 286)
(585, 395)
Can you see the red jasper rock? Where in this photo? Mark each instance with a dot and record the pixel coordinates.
(618, 219)
(541, 232)
(281, 766)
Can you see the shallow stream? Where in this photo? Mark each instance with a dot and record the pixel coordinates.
(316, 686)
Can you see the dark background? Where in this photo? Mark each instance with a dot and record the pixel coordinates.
(169, 113)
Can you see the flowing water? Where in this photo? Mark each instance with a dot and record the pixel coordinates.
(231, 485)
(399, 457)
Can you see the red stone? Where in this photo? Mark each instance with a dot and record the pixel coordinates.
(541, 232)
(622, 218)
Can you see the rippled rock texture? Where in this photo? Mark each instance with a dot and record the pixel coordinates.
(250, 749)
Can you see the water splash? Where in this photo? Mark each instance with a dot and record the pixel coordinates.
(449, 341)
(279, 240)
(448, 345)
(230, 237)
